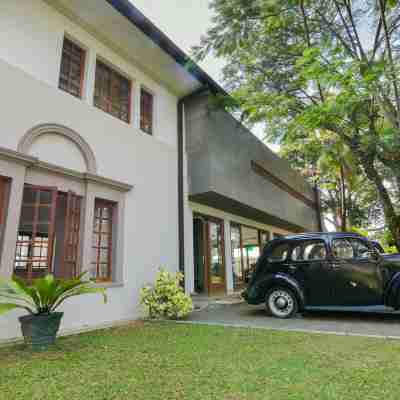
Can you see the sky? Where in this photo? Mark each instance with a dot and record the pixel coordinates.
(184, 22)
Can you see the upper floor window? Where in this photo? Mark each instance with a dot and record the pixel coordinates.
(146, 111)
(112, 92)
(72, 68)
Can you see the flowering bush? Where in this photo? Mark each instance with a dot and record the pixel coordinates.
(166, 299)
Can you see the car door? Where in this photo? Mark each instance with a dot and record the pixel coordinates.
(358, 281)
(310, 266)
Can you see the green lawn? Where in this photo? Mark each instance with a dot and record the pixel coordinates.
(175, 361)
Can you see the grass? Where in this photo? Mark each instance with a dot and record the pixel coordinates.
(176, 361)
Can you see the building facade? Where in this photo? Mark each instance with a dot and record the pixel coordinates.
(111, 163)
(240, 195)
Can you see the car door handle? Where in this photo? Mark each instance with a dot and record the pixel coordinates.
(336, 265)
(292, 267)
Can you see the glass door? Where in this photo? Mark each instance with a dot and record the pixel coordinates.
(237, 256)
(216, 262)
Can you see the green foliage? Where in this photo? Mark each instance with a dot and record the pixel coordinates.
(166, 299)
(44, 295)
(323, 70)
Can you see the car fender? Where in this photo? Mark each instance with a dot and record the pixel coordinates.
(392, 292)
(281, 279)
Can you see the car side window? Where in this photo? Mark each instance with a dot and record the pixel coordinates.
(309, 251)
(361, 249)
(342, 249)
(279, 253)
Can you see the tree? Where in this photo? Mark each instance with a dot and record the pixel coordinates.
(346, 200)
(313, 67)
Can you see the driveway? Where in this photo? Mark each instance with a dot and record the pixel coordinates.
(371, 321)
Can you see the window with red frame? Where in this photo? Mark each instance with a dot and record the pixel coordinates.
(34, 248)
(102, 240)
(146, 111)
(49, 230)
(112, 92)
(72, 68)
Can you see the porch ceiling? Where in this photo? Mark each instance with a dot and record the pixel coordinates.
(223, 203)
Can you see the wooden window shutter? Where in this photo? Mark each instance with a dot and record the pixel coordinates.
(70, 257)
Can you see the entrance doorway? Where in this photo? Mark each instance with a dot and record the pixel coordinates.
(209, 254)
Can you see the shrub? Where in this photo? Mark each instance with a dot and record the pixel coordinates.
(166, 299)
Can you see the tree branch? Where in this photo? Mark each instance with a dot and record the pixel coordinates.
(382, 6)
(307, 31)
(353, 25)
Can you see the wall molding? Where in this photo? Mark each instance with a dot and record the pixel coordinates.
(33, 134)
(85, 177)
(260, 170)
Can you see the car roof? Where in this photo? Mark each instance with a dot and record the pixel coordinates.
(319, 235)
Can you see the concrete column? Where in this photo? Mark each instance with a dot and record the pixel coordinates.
(189, 257)
(87, 228)
(228, 257)
(90, 72)
(135, 106)
(16, 172)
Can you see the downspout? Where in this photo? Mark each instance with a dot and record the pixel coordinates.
(181, 188)
(181, 181)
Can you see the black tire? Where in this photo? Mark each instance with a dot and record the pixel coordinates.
(288, 300)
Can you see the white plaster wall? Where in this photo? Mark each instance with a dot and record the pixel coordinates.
(122, 153)
(31, 38)
(58, 150)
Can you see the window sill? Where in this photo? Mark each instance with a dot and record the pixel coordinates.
(109, 285)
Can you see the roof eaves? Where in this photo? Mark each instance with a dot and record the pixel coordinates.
(129, 11)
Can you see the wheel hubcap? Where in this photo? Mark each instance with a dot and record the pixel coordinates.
(281, 303)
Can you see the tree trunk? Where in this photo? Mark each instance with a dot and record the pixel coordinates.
(343, 202)
(391, 218)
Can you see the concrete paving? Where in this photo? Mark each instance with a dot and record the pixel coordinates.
(373, 321)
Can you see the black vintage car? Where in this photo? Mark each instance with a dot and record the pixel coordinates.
(323, 269)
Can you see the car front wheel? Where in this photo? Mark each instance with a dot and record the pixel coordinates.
(281, 302)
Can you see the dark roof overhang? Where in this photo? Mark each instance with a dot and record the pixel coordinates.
(140, 21)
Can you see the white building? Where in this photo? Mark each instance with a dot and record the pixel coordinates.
(110, 162)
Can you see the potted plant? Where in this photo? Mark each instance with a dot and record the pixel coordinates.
(41, 299)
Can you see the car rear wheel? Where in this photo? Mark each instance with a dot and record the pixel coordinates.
(281, 302)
